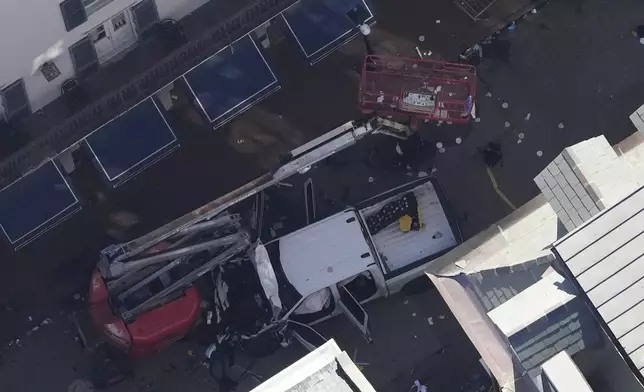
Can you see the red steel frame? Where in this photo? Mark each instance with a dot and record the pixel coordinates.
(388, 84)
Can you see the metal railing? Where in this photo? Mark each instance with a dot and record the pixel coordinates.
(140, 87)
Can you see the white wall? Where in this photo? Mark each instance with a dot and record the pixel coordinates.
(29, 27)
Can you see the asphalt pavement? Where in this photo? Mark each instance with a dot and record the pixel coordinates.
(572, 63)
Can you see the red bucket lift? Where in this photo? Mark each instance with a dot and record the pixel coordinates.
(422, 89)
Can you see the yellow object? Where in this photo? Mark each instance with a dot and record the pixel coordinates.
(404, 223)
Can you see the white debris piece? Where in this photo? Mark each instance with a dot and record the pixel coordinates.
(430, 320)
(419, 55)
(459, 140)
(507, 124)
(441, 150)
(439, 145)
(519, 141)
(406, 301)
(473, 111)
(504, 105)
(438, 21)
(441, 317)
(398, 149)
(527, 117)
(421, 38)
(521, 135)
(561, 126)
(371, 179)
(489, 94)
(477, 120)
(539, 153)
(422, 174)
(413, 314)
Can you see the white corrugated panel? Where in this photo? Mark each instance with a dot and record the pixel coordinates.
(399, 249)
(606, 256)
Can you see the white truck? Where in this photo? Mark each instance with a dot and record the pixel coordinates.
(334, 265)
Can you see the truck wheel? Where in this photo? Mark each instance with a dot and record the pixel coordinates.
(420, 285)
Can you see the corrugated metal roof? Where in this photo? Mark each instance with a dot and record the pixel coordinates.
(606, 258)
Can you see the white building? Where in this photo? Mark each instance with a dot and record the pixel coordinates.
(92, 32)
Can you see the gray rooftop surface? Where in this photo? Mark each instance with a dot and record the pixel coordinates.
(605, 257)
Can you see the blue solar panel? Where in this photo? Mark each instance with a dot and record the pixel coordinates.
(322, 26)
(131, 142)
(231, 81)
(35, 203)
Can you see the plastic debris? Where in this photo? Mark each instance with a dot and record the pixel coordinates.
(441, 317)
(449, 123)
(406, 301)
(488, 94)
(430, 320)
(190, 353)
(512, 26)
(477, 120)
(507, 124)
(371, 179)
(438, 21)
(534, 10)
(30, 318)
(521, 135)
(439, 145)
(413, 314)
(18, 342)
(441, 150)
(504, 105)
(419, 53)
(519, 141)
(45, 321)
(527, 117)
(77, 296)
(561, 126)
(419, 387)
(409, 174)
(422, 174)
(539, 153)
(459, 140)
(434, 171)
(421, 38)
(398, 149)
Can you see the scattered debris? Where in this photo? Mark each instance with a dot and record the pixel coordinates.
(504, 105)
(438, 21)
(419, 53)
(30, 318)
(398, 149)
(521, 135)
(561, 126)
(419, 387)
(406, 301)
(488, 94)
(441, 150)
(434, 171)
(519, 141)
(459, 140)
(473, 111)
(422, 174)
(534, 10)
(415, 337)
(190, 353)
(439, 145)
(512, 26)
(421, 38)
(18, 342)
(441, 317)
(240, 141)
(77, 296)
(539, 153)
(286, 184)
(477, 120)
(371, 179)
(45, 321)
(409, 174)
(527, 117)
(507, 124)
(430, 320)
(413, 314)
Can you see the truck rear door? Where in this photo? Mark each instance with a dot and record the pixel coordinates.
(354, 312)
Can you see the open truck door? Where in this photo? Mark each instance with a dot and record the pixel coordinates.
(355, 312)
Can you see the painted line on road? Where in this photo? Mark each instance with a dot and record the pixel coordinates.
(497, 190)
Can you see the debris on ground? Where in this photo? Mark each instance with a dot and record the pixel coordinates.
(561, 126)
(488, 94)
(441, 317)
(478, 119)
(371, 179)
(521, 135)
(413, 314)
(507, 124)
(539, 153)
(421, 38)
(504, 105)
(422, 174)
(527, 117)
(430, 320)
(459, 140)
